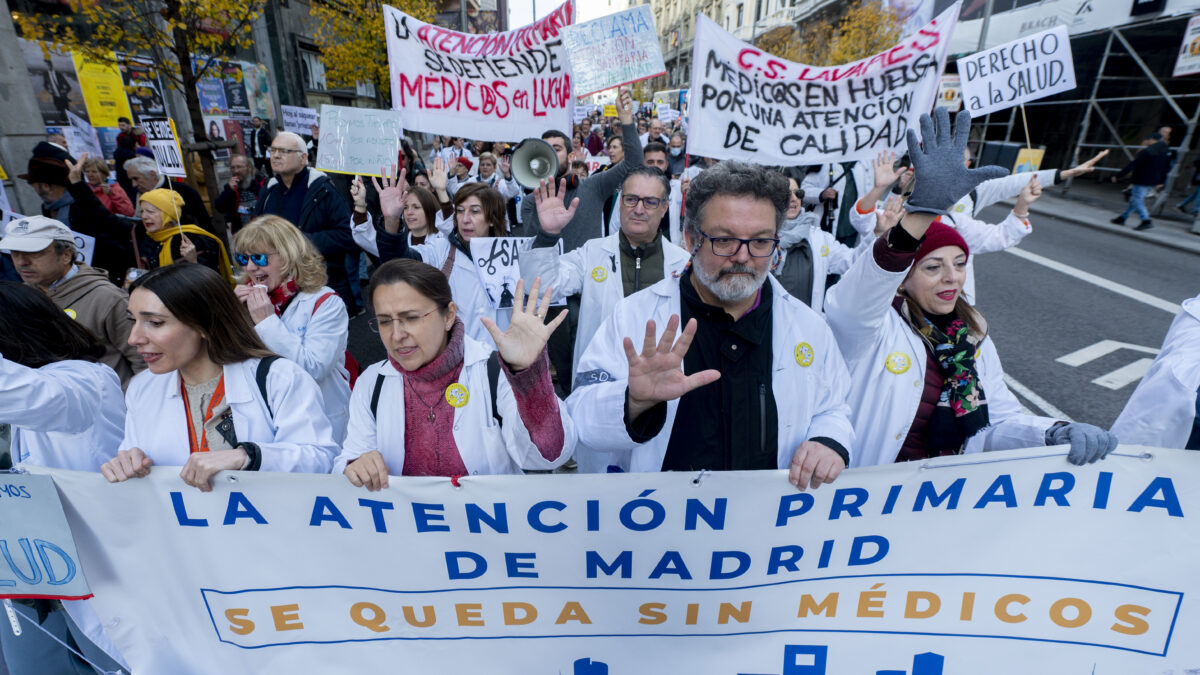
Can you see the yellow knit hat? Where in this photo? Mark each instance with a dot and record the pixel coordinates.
(167, 201)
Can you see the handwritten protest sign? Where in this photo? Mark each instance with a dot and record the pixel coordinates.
(610, 110)
(1027, 69)
(81, 136)
(984, 564)
(497, 262)
(358, 140)
(39, 559)
(160, 132)
(298, 120)
(747, 104)
(613, 50)
(490, 85)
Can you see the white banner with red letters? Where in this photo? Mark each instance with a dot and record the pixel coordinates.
(750, 105)
(496, 86)
(1002, 563)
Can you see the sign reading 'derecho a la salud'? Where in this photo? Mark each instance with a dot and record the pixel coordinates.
(497, 85)
(613, 50)
(987, 564)
(1023, 70)
(750, 105)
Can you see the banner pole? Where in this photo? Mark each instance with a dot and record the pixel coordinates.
(1025, 123)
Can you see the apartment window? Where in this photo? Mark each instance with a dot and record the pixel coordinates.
(739, 16)
(312, 70)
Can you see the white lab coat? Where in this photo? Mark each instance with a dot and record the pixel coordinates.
(594, 270)
(811, 399)
(66, 414)
(815, 183)
(315, 338)
(297, 439)
(1162, 409)
(887, 369)
(830, 256)
(674, 214)
(486, 446)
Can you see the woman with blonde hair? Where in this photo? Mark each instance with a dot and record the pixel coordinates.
(282, 285)
(167, 239)
(111, 195)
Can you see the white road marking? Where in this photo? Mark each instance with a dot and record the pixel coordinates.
(1124, 375)
(1025, 392)
(1106, 284)
(1102, 348)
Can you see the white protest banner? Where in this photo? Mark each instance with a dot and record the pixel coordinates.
(594, 162)
(1008, 562)
(40, 560)
(949, 93)
(497, 262)
(81, 137)
(1188, 61)
(579, 114)
(298, 120)
(660, 108)
(617, 49)
(360, 141)
(489, 86)
(747, 104)
(160, 132)
(1027, 69)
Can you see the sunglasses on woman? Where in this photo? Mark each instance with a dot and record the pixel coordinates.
(259, 259)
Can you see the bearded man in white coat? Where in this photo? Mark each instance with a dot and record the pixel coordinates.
(755, 380)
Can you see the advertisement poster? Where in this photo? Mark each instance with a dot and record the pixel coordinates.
(55, 83)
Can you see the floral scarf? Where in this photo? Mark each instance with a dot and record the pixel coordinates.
(961, 410)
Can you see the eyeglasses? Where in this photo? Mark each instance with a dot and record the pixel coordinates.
(259, 259)
(632, 201)
(727, 247)
(385, 324)
(285, 151)
(798, 194)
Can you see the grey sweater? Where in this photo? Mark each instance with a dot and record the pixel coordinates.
(592, 191)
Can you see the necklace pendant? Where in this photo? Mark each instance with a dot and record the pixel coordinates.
(431, 416)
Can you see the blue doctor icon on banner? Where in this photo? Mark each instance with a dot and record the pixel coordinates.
(812, 660)
(590, 667)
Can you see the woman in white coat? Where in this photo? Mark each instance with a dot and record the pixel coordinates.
(925, 380)
(422, 217)
(479, 211)
(438, 406)
(213, 397)
(282, 286)
(66, 410)
(814, 253)
(1164, 410)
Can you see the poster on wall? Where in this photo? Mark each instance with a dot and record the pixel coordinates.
(142, 86)
(55, 83)
(211, 89)
(235, 89)
(103, 90)
(258, 90)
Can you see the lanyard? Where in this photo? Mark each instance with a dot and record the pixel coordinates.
(217, 397)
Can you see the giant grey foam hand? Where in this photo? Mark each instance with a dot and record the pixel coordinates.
(942, 177)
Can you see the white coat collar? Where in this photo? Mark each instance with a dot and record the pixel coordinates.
(474, 351)
(236, 388)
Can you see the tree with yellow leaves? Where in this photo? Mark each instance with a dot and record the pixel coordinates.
(180, 36)
(350, 34)
(866, 28)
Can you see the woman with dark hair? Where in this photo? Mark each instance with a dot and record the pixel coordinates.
(479, 211)
(66, 410)
(213, 396)
(438, 405)
(925, 379)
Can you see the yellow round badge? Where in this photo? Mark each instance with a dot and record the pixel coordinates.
(805, 354)
(824, 251)
(897, 362)
(599, 274)
(457, 395)
(71, 313)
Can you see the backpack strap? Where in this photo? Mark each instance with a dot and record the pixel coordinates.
(493, 370)
(321, 300)
(448, 266)
(260, 376)
(375, 394)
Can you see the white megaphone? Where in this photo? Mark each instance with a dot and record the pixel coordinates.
(533, 161)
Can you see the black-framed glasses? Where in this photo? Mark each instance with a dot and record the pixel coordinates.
(632, 201)
(285, 151)
(384, 324)
(259, 259)
(798, 194)
(727, 247)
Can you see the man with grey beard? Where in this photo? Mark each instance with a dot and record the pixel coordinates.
(754, 381)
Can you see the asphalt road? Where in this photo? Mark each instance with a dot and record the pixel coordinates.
(1038, 315)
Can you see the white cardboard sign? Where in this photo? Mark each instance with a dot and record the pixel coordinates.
(1027, 69)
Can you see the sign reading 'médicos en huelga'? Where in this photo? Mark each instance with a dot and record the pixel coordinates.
(747, 104)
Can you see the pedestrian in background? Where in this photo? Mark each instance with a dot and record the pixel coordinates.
(1147, 171)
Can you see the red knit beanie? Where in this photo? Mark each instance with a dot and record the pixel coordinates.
(938, 235)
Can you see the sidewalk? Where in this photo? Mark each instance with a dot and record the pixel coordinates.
(1094, 205)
